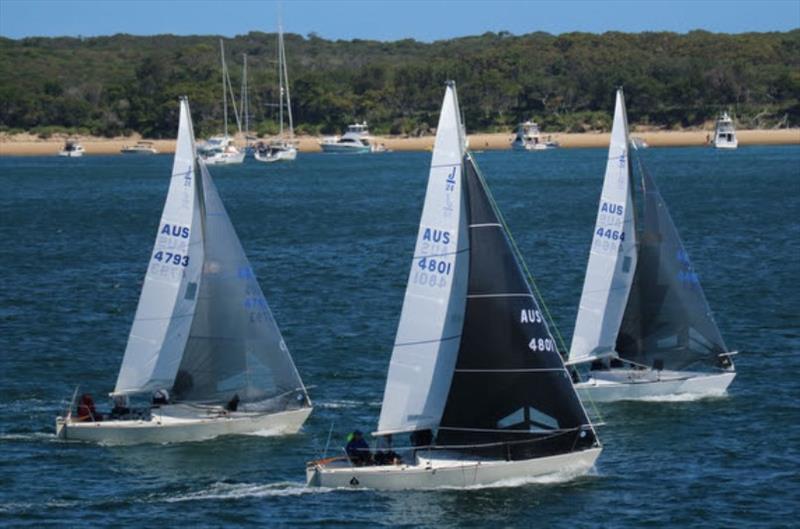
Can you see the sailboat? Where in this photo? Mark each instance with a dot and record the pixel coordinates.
(204, 340)
(220, 150)
(644, 327)
(475, 377)
(282, 148)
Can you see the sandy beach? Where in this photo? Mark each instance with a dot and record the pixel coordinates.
(30, 145)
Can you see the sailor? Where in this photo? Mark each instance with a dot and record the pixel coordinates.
(160, 398)
(233, 404)
(86, 411)
(120, 408)
(385, 455)
(357, 449)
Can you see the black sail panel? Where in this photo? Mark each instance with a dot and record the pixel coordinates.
(509, 385)
(667, 323)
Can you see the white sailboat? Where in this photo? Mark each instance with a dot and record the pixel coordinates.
(281, 149)
(644, 328)
(724, 133)
(475, 377)
(203, 332)
(220, 150)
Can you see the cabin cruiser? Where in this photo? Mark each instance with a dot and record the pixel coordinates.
(220, 150)
(141, 147)
(72, 149)
(355, 141)
(724, 133)
(529, 138)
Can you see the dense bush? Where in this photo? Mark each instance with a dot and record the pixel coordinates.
(114, 85)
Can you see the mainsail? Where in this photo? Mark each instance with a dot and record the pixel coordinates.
(612, 259)
(668, 323)
(235, 346)
(429, 331)
(169, 294)
(510, 384)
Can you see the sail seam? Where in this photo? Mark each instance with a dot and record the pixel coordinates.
(532, 370)
(500, 295)
(486, 225)
(441, 254)
(401, 344)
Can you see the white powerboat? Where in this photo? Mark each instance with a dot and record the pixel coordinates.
(529, 138)
(724, 133)
(72, 149)
(354, 141)
(203, 339)
(475, 377)
(282, 148)
(141, 147)
(644, 328)
(220, 150)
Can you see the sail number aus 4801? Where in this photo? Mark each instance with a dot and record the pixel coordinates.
(171, 258)
(431, 272)
(541, 344)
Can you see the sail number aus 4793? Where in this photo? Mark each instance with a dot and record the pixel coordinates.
(171, 258)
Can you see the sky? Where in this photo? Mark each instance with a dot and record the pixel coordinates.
(389, 20)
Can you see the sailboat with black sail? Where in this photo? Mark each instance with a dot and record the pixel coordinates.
(644, 328)
(203, 340)
(475, 379)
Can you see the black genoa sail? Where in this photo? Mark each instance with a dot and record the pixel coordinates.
(667, 322)
(510, 392)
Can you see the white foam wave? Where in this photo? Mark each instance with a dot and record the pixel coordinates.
(338, 404)
(684, 397)
(235, 491)
(32, 436)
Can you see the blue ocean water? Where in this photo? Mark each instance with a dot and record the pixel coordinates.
(330, 238)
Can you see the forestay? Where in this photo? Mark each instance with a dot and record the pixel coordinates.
(510, 384)
(429, 331)
(235, 346)
(668, 323)
(169, 294)
(612, 259)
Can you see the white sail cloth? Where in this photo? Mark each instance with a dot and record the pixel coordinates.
(429, 332)
(167, 302)
(612, 259)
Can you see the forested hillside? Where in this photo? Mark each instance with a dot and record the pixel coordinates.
(121, 84)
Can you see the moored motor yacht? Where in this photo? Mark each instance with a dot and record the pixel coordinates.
(529, 138)
(72, 149)
(354, 141)
(724, 133)
(141, 147)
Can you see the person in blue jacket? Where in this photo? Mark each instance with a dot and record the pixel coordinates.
(357, 449)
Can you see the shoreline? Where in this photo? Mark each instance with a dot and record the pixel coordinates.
(30, 145)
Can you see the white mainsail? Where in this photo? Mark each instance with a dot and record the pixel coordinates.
(169, 294)
(429, 332)
(612, 259)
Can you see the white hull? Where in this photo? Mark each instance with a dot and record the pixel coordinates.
(429, 473)
(626, 384)
(344, 149)
(71, 154)
(287, 155)
(176, 424)
(225, 158)
(726, 144)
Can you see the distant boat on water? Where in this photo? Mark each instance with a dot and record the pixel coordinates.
(203, 341)
(354, 141)
(529, 138)
(282, 148)
(72, 149)
(644, 328)
(141, 147)
(475, 379)
(724, 133)
(220, 150)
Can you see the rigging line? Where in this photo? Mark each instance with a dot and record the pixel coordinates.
(518, 254)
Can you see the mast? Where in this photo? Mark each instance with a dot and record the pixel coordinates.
(280, 78)
(224, 86)
(245, 98)
(286, 84)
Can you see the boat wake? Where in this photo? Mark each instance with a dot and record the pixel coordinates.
(684, 397)
(32, 436)
(235, 491)
(339, 404)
